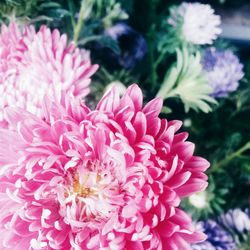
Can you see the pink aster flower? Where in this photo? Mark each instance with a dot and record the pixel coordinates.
(109, 178)
(33, 64)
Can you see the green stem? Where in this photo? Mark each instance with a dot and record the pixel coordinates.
(99, 8)
(79, 23)
(153, 72)
(229, 158)
(159, 59)
(71, 9)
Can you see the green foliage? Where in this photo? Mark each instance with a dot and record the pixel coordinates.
(208, 203)
(246, 244)
(225, 137)
(114, 12)
(32, 10)
(123, 76)
(17, 7)
(169, 40)
(102, 39)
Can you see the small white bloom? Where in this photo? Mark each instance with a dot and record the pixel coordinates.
(187, 123)
(198, 200)
(199, 23)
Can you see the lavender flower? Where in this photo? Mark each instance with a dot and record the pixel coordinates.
(197, 22)
(133, 45)
(217, 237)
(223, 69)
(236, 220)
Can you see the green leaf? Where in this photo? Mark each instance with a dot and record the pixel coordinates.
(49, 5)
(166, 110)
(103, 40)
(187, 81)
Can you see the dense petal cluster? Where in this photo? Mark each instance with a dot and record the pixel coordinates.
(223, 69)
(109, 178)
(33, 64)
(217, 237)
(199, 24)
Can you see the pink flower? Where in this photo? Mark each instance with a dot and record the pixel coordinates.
(33, 64)
(111, 178)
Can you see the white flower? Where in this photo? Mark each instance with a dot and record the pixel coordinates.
(199, 23)
(199, 200)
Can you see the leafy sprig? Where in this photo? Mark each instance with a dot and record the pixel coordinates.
(186, 80)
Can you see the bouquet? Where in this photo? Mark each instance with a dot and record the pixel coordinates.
(99, 103)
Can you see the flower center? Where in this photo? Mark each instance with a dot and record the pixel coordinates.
(81, 190)
(87, 186)
(91, 194)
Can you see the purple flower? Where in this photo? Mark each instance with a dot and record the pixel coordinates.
(132, 44)
(236, 220)
(223, 69)
(217, 237)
